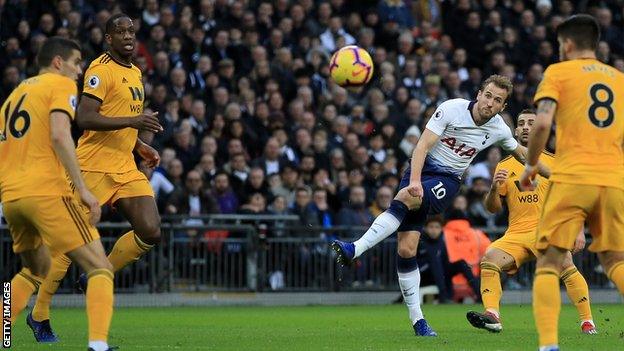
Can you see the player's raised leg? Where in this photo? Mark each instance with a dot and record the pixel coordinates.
(142, 213)
(578, 292)
(384, 225)
(409, 281)
(494, 261)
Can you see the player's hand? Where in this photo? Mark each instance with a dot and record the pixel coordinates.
(415, 189)
(527, 179)
(499, 178)
(95, 212)
(149, 154)
(147, 122)
(579, 242)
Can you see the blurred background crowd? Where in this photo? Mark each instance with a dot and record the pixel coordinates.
(252, 124)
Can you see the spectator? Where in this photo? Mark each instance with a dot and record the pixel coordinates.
(304, 207)
(464, 243)
(191, 199)
(486, 168)
(476, 210)
(289, 177)
(355, 212)
(270, 160)
(383, 198)
(434, 264)
(238, 170)
(256, 183)
(223, 193)
(333, 32)
(255, 204)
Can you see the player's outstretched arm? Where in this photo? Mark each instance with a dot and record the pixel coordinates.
(88, 117)
(425, 143)
(63, 144)
(492, 200)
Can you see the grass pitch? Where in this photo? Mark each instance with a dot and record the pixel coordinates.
(321, 328)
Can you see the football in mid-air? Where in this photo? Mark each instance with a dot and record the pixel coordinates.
(351, 66)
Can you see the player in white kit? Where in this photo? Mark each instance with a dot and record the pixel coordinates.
(457, 131)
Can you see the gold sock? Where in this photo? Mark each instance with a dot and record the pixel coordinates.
(128, 248)
(616, 274)
(99, 303)
(578, 292)
(58, 269)
(491, 290)
(546, 305)
(23, 285)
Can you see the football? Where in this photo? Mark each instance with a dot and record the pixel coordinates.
(351, 66)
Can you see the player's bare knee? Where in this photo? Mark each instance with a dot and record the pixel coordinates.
(404, 196)
(40, 268)
(149, 233)
(609, 258)
(407, 247)
(567, 262)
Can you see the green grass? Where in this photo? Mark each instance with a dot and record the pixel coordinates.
(320, 328)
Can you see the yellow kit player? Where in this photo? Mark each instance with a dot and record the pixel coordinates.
(44, 217)
(586, 99)
(111, 111)
(517, 245)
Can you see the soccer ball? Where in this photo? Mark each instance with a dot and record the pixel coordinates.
(351, 66)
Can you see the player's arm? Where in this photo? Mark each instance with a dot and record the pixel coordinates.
(538, 137)
(425, 143)
(148, 153)
(493, 200)
(520, 154)
(88, 117)
(63, 144)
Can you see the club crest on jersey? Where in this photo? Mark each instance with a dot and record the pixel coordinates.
(93, 81)
(72, 101)
(438, 114)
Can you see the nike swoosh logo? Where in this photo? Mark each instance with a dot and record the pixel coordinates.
(357, 73)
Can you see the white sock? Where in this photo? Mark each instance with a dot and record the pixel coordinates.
(98, 345)
(384, 225)
(410, 288)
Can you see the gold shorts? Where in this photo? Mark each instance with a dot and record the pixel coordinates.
(520, 246)
(568, 206)
(60, 222)
(110, 187)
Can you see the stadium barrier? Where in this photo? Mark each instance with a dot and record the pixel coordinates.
(261, 253)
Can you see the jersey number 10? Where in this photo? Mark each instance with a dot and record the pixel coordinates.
(10, 120)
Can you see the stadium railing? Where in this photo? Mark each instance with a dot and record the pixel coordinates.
(261, 253)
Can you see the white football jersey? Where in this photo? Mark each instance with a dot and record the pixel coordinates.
(461, 139)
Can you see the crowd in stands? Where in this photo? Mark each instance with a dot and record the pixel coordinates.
(253, 124)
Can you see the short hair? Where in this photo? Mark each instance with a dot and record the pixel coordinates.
(55, 46)
(500, 81)
(110, 23)
(527, 111)
(434, 219)
(582, 29)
